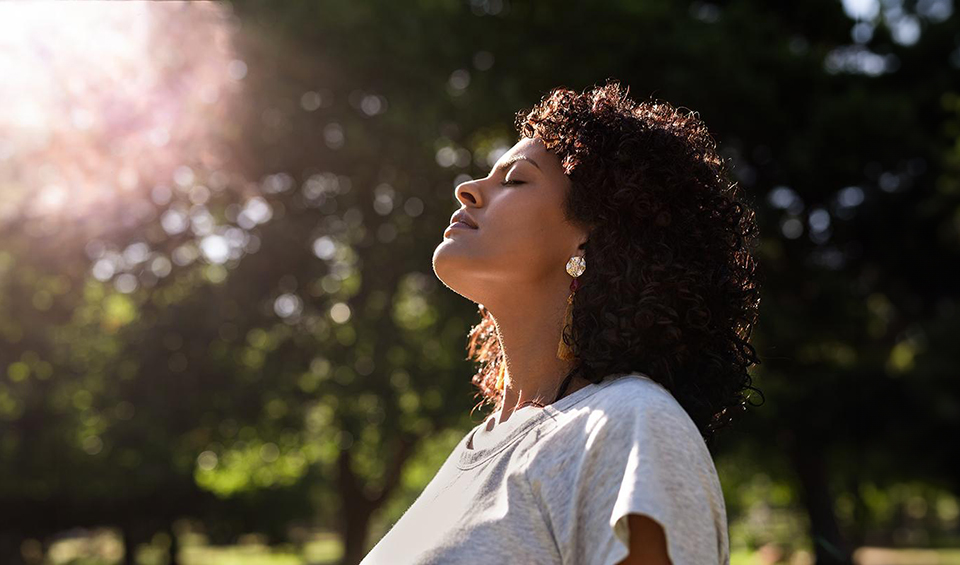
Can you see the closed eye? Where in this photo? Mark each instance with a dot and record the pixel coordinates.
(510, 182)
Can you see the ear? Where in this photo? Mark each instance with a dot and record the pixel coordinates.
(586, 237)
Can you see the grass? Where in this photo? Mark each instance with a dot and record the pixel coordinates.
(103, 547)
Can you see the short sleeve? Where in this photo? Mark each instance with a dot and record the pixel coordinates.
(632, 454)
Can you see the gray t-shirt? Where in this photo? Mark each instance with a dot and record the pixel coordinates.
(557, 487)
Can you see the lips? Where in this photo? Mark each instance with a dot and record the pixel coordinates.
(464, 218)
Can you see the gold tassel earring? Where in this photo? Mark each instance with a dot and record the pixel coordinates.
(575, 267)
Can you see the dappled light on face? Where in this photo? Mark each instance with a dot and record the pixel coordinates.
(106, 103)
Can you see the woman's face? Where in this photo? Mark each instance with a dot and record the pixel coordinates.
(522, 241)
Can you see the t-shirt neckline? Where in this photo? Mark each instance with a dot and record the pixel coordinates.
(472, 457)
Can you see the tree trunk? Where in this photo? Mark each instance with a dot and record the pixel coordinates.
(355, 512)
(357, 508)
(129, 546)
(829, 546)
(354, 533)
(174, 551)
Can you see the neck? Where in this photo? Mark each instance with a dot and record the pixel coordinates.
(529, 332)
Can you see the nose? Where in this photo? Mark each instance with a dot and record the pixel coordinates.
(468, 193)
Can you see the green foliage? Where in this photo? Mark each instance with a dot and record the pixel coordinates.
(227, 390)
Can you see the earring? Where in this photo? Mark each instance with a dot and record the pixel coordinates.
(575, 267)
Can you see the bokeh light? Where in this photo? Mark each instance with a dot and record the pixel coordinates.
(105, 102)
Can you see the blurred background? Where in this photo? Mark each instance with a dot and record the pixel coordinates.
(221, 339)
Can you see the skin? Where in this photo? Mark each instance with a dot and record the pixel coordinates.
(648, 544)
(515, 265)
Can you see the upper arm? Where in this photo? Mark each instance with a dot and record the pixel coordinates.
(629, 466)
(648, 542)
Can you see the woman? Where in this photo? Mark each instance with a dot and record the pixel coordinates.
(611, 262)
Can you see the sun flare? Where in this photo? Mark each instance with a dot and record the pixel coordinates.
(105, 100)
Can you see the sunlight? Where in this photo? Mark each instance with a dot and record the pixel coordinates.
(103, 100)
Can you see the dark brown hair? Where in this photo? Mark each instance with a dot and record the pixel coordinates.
(672, 287)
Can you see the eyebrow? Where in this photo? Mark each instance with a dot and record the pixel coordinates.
(506, 164)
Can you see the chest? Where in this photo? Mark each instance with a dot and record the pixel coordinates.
(486, 514)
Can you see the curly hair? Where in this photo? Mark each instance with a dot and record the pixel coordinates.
(670, 238)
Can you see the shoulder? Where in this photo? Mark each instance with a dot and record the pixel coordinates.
(631, 392)
(629, 410)
(628, 448)
(633, 400)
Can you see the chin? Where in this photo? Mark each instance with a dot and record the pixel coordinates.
(453, 271)
(445, 267)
